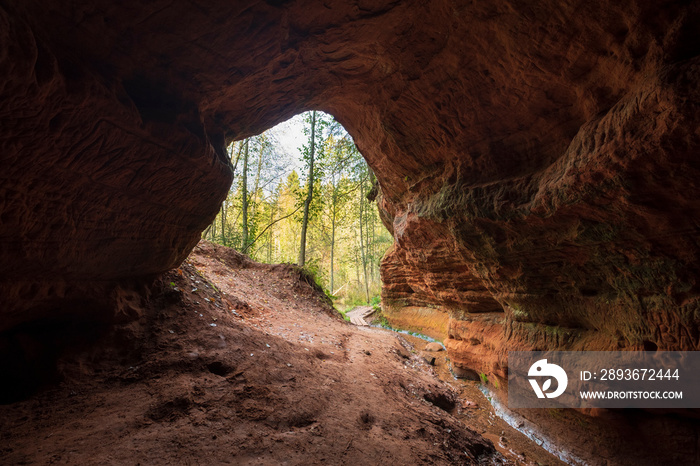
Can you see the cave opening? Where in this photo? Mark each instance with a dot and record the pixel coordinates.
(263, 214)
(536, 155)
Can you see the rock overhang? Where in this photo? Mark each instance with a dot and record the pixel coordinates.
(535, 158)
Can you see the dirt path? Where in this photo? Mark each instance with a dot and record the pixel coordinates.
(241, 363)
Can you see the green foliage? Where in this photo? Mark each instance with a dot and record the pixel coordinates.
(382, 321)
(343, 312)
(352, 300)
(315, 273)
(484, 379)
(321, 124)
(342, 261)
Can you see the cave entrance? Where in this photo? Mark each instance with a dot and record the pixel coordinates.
(263, 214)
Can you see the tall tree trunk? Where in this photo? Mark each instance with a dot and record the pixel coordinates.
(269, 243)
(372, 243)
(362, 245)
(310, 193)
(223, 223)
(335, 199)
(357, 264)
(254, 195)
(210, 232)
(244, 196)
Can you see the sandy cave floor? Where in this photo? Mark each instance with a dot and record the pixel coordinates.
(236, 362)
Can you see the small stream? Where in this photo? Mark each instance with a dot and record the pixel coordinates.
(514, 420)
(528, 429)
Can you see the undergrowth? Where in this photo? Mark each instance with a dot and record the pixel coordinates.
(311, 275)
(382, 321)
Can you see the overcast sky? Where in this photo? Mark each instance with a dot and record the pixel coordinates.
(290, 134)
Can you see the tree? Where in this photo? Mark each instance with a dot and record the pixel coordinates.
(362, 240)
(289, 229)
(268, 206)
(244, 196)
(341, 158)
(310, 192)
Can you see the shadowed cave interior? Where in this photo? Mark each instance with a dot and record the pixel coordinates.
(537, 161)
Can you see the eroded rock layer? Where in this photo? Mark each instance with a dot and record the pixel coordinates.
(537, 159)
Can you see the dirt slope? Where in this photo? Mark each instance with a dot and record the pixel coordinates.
(236, 362)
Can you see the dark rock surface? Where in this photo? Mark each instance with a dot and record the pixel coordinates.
(537, 159)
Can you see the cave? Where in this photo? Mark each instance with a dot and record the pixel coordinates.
(536, 160)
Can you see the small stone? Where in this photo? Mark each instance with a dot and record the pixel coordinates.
(434, 346)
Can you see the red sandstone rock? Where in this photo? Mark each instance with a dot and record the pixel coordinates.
(434, 346)
(536, 158)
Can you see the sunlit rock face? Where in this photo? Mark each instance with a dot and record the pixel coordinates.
(571, 210)
(537, 159)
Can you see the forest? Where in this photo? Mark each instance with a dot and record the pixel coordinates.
(314, 208)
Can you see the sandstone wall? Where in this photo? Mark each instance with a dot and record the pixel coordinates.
(537, 159)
